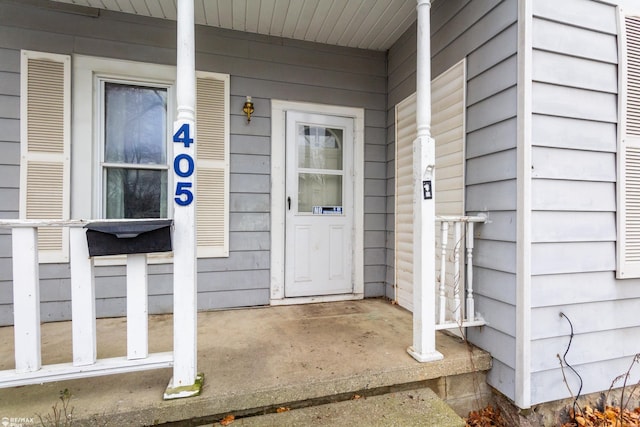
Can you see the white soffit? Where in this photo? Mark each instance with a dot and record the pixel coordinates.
(366, 24)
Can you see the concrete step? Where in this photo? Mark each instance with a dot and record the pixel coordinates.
(421, 407)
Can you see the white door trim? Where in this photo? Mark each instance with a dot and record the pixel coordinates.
(278, 198)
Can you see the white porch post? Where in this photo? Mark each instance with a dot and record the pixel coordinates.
(26, 299)
(424, 248)
(185, 381)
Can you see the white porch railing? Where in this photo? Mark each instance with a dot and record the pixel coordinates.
(454, 269)
(26, 308)
(455, 302)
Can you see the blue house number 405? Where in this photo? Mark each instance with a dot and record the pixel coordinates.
(183, 166)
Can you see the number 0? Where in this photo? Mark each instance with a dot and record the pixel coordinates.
(190, 165)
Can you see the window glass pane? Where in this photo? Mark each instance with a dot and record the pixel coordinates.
(319, 147)
(136, 193)
(135, 124)
(318, 190)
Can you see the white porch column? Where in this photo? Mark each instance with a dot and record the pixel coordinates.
(185, 381)
(424, 247)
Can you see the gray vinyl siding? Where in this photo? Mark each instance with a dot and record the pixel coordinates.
(485, 32)
(263, 67)
(9, 136)
(9, 164)
(575, 116)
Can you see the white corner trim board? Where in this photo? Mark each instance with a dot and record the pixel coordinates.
(523, 275)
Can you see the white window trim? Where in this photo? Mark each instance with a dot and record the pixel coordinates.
(86, 142)
(101, 164)
(87, 72)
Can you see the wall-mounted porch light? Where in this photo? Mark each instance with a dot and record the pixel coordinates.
(248, 108)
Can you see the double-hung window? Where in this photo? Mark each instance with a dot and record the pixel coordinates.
(122, 116)
(133, 139)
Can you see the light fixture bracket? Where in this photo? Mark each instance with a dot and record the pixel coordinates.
(248, 109)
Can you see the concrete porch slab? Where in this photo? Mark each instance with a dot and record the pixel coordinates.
(253, 360)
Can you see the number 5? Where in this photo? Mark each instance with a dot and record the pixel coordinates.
(182, 189)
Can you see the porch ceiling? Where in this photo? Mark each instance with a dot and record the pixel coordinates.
(366, 24)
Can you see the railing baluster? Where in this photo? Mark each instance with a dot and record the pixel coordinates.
(443, 270)
(26, 299)
(459, 301)
(456, 271)
(137, 307)
(83, 302)
(470, 309)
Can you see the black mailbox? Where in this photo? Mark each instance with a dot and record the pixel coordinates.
(129, 237)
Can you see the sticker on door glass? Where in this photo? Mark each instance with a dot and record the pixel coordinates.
(327, 210)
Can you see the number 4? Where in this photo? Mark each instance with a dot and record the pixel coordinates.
(183, 135)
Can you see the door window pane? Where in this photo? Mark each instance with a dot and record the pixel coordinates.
(319, 147)
(316, 189)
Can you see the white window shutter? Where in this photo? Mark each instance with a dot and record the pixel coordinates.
(405, 135)
(212, 145)
(45, 107)
(628, 242)
(448, 92)
(447, 128)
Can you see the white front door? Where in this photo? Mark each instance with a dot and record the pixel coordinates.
(319, 205)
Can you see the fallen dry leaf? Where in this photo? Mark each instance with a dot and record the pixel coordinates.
(356, 397)
(487, 417)
(227, 420)
(282, 409)
(612, 416)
